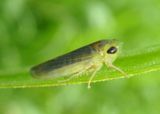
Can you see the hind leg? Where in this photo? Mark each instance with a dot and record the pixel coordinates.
(77, 74)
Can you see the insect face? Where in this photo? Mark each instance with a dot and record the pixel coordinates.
(111, 51)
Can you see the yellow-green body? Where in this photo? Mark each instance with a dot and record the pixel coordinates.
(86, 59)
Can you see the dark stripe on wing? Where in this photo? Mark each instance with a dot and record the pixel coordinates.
(78, 55)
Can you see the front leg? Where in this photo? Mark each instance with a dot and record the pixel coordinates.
(116, 68)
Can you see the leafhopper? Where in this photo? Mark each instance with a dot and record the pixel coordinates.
(87, 59)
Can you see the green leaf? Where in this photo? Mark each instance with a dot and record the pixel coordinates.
(134, 63)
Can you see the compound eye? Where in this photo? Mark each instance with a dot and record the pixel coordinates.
(112, 50)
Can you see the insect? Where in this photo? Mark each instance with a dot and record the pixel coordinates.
(87, 59)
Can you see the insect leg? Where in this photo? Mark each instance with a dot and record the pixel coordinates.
(118, 69)
(68, 79)
(76, 74)
(93, 75)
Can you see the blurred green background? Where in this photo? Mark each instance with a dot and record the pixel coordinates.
(32, 31)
